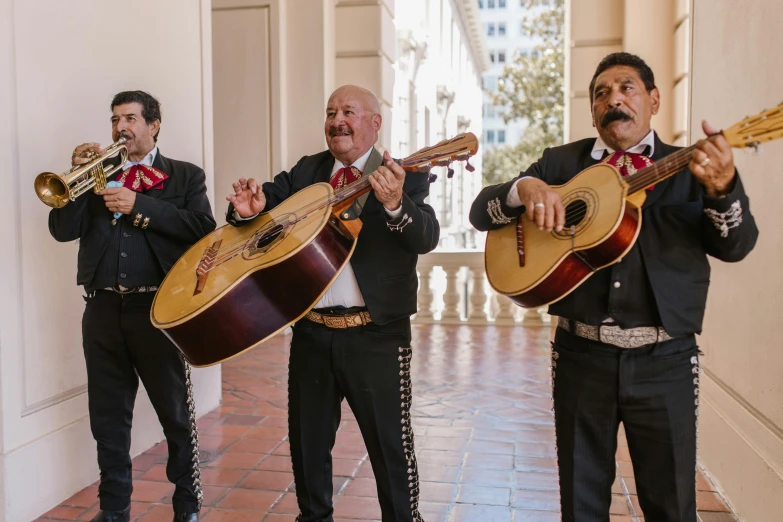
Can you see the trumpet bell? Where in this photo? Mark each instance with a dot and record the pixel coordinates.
(50, 189)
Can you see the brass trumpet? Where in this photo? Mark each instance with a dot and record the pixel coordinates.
(56, 190)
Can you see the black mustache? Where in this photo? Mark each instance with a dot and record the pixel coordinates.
(614, 115)
(334, 131)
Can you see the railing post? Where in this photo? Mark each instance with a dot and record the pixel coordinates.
(506, 309)
(424, 295)
(451, 296)
(478, 297)
(532, 317)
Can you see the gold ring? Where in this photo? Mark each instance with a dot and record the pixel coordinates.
(705, 162)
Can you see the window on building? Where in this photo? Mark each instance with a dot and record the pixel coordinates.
(481, 4)
(488, 110)
(501, 137)
(490, 4)
(490, 29)
(492, 56)
(501, 56)
(501, 4)
(522, 31)
(490, 82)
(501, 28)
(490, 136)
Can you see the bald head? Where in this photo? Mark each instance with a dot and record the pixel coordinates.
(364, 96)
(353, 120)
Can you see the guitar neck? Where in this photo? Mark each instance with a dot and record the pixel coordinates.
(666, 167)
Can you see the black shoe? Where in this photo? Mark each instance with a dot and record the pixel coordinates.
(112, 516)
(186, 517)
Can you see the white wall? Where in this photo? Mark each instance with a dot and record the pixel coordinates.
(60, 64)
(741, 437)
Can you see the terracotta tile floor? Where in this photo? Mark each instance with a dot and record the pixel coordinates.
(484, 440)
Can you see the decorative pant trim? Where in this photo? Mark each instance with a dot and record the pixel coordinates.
(496, 213)
(696, 394)
(553, 368)
(403, 222)
(724, 221)
(193, 436)
(406, 398)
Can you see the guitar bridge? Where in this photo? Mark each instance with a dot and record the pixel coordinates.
(205, 265)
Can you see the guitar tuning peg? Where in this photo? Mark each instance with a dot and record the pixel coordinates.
(432, 178)
(450, 173)
(469, 167)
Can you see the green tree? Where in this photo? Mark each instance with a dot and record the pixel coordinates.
(531, 88)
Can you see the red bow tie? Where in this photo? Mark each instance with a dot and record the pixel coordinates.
(628, 163)
(141, 178)
(345, 176)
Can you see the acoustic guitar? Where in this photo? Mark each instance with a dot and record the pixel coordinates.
(238, 286)
(603, 218)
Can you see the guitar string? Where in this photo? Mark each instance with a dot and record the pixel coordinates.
(239, 246)
(641, 179)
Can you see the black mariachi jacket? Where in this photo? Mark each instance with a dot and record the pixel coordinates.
(386, 253)
(179, 215)
(681, 226)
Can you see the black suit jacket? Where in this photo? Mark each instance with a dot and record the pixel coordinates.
(675, 239)
(179, 214)
(386, 253)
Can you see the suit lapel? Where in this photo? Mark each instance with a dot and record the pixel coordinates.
(587, 160)
(324, 172)
(162, 165)
(373, 162)
(661, 151)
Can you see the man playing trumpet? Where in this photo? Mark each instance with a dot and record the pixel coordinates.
(163, 209)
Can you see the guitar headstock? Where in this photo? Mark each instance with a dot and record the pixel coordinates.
(459, 148)
(753, 130)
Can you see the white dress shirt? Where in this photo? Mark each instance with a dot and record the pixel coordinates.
(146, 160)
(512, 199)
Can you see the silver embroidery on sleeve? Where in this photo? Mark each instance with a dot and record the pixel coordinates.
(496, 213)
(724, 221)
(404, 221)
(193, 436)
(405, 355)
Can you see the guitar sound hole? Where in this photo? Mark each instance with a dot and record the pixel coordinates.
(268, 238)
(575, 213)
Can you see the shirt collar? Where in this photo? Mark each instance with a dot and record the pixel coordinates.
(599, 147)
(146, 160)
(359, 163)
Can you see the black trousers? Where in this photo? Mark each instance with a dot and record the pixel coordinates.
(653, 391)
(121, 346)
(370, 368)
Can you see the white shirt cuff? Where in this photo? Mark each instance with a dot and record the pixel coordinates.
(240, 218)
(394, 214)
(512, 199)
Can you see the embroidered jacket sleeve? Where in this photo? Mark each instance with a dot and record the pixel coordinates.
(188, 223)
(276, 191)
(415, 225)
(491, 209)
(729, 229)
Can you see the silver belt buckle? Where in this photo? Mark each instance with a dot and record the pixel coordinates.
(631, 338)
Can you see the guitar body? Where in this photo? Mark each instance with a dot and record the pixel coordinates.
(535, 268)
(214, 307)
